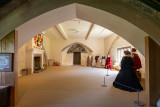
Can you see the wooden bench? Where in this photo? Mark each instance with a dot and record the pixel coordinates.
(26, 71)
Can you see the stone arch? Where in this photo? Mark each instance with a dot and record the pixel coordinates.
(34, 26)
(111, 18)
(77, 43)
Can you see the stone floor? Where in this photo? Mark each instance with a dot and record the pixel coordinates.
(73, 86)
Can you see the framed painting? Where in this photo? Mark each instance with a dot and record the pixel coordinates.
(6, 62)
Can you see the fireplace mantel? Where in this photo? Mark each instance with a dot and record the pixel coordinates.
(31, 53)
(35, 50)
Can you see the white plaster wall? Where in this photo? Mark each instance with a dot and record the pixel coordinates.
(57, 44)
(123, 43)
(67, 59)
(22, 62)
(108, 43)
(97, 45)
(84, 58)
(46, 45)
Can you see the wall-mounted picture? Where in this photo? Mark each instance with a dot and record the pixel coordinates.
(38, 41)
(6, 62)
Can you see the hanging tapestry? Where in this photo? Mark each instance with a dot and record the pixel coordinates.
(38, 41)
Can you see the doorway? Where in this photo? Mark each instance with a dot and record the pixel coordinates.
(77, 58)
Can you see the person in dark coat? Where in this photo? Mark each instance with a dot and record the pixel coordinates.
(126, 78)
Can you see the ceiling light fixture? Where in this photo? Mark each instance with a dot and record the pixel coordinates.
(74, 30)
(77, 20)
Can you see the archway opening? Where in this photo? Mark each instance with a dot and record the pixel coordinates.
(123, 30)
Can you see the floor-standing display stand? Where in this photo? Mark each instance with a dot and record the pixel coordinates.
(104, 85)
(137, 103)
(107, 73)
(108, 64)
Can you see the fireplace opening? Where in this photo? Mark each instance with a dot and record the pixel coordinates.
(37, 65)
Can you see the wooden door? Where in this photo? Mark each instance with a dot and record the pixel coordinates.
(76, 58)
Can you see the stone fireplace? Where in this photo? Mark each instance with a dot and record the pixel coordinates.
(35, 58)
(37, 63)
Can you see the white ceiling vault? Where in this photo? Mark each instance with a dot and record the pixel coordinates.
(77, 28)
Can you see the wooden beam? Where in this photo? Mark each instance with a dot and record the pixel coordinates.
(60, 33)
(89, 31)
(61, 29)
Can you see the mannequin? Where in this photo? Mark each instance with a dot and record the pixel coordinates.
(99, 62)
(96, 58)
(91, 60)
(108, 64)
(103, 61)
(93, 63)
(88, 61)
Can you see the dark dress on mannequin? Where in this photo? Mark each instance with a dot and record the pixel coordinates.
(88, 61)
(96, 58)
(126, 78)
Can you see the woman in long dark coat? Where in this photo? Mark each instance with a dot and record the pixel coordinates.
(126, 78)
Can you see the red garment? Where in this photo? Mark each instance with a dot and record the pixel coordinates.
(108, 63)
(137, 62)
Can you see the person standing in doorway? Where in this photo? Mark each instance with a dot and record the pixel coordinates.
(137, 63)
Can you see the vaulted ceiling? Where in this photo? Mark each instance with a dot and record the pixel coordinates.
(77, 28)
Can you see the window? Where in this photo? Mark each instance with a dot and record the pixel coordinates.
(120, 53)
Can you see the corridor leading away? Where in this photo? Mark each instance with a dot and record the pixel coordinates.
(73, 86)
